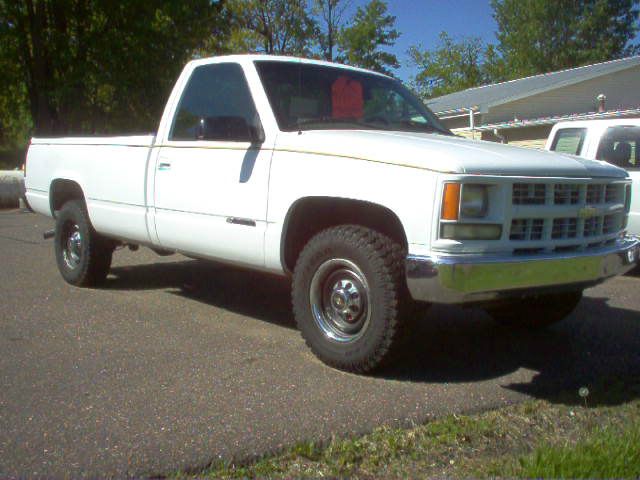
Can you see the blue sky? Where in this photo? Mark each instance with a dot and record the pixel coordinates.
(420, 22)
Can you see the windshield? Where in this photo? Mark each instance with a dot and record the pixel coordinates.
(313, 97)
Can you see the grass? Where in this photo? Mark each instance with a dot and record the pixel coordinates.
(566, 436)
(608, 453)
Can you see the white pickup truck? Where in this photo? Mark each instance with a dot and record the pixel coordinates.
(344, 180)
(616, 141)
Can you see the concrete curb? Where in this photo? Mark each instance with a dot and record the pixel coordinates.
(11, 188)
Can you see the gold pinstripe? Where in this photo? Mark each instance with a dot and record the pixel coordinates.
(306, 152)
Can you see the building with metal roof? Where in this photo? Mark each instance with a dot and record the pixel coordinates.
(523, 111)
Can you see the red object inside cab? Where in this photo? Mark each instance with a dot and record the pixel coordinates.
(346, 98)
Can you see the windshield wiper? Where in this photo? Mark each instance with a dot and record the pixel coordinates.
(334, 121)
(423, 127)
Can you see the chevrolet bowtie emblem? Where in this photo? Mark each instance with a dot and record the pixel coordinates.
(587, 212)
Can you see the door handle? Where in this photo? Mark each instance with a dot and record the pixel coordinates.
(164, 166)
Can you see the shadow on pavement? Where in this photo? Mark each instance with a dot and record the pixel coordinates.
(597, 346)
(254, 294)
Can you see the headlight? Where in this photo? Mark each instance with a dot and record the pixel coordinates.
(462, 231)
(475, 201)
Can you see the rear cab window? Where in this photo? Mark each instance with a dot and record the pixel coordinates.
(620, 145)
(569, 140)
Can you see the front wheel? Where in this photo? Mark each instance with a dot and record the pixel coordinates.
(83, 256)
(347, 294)
(536, 312)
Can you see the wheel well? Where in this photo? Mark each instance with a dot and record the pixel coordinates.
(310, 215)
(62, 191)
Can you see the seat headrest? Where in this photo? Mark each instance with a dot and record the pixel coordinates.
(622, 153)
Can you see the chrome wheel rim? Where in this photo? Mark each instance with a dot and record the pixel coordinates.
(72, 245)
(340, 300)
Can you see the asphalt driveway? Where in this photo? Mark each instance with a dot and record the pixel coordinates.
(177, 362)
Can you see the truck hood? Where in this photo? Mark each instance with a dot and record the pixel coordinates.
(446, 154)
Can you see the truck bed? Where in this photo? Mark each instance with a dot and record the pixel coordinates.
(111, 171)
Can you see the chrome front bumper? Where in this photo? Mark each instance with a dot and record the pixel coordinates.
(459, 279)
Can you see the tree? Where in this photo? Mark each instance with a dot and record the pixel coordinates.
(89, 65)
(282, 27)
(14, 112)
(330, 13)
(536, 36)
(453, 66)
(370, 29)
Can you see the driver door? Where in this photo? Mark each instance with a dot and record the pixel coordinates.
(211, 173)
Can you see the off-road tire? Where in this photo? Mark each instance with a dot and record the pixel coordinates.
(94, 253)
(381, 261)
(536, 312)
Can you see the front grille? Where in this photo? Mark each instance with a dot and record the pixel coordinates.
(552, 216)
(592, 227)
(529, 193)
(614, 194)
(566, 194)
(564, 228)
(612, 223)
(527, 229)
(594, 194)
(569, 193)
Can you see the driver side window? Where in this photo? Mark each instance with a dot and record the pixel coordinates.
(216, 105)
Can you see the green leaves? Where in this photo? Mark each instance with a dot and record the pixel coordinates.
(537, 36)
(330, 15)
(90, 66)
(314, 28)
(95, 66)
(370, 29)
(453, 66)
(534, 36)
(281, 27)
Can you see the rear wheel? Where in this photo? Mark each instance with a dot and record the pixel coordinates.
(82, 255)
(347, 294)
(536, 312)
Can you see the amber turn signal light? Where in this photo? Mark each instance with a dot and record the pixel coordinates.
(450, 201)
